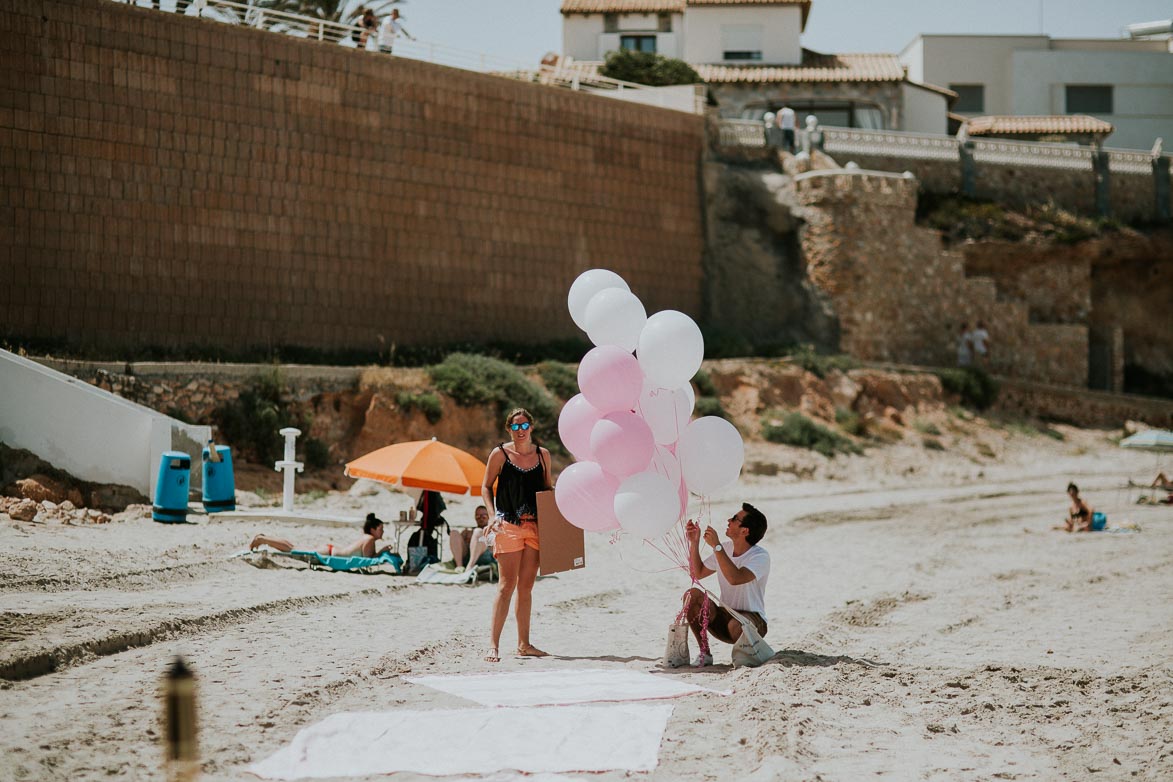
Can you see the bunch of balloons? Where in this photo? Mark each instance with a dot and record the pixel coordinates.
(637, 453)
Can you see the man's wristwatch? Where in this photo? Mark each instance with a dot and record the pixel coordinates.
(718, 547)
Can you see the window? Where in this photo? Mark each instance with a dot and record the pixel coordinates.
(610, 23)
(741, 41)
(971, 98)
(665, 21)
(638, 43)
(1089, 98)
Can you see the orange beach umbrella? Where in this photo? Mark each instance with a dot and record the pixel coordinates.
(422, 464)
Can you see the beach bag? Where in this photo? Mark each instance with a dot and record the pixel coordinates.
(676, 651)
(1099, 521)
(749, 651)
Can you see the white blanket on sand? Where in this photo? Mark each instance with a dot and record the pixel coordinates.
(474, 741)
(547, 688)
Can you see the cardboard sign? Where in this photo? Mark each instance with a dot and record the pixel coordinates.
(562, 544)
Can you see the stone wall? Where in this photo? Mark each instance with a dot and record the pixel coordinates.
(1053, 280)
(900, 296)
(170, 181)
(1081, 407)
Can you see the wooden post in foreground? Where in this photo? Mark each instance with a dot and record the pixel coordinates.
(179, 718)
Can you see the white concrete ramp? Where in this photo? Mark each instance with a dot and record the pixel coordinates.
(90, 433)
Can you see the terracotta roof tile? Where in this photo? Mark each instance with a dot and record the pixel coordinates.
(677, 6)
(1052, 124)
(815, 67)
(621, 6)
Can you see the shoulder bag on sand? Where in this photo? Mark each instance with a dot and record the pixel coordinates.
(676, 652)
(749, 651)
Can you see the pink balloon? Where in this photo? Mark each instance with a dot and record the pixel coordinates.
(610, 379)
(575, 422)
(622, 443)
(586, 497)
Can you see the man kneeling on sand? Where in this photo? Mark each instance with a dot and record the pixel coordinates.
(363, 547)
(742, 569)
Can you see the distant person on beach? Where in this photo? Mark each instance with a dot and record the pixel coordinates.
(742, 568)
(365, 546)
(787, 121)
(392, 28)
(979, 339)
(964, 347)
(520, 468)
(1079, 515)
(469, 546)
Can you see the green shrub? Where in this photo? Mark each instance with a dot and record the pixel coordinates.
(927, 427)
(796, 429)
(932, 444)
(649, 68)
(710, 405)
(250, 423)
(561, 379)
(317, 453)
(850, 422)
(976, 388)
(819, 365)
(427, 403)
(703, 382)
(477, 380)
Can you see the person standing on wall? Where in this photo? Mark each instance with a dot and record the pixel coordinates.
(520, 469)
(391, 29)
(980, 339)
(787, 122)
(964, 346)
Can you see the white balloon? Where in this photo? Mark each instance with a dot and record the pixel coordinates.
(671, 349)
(615, 317)
(711, 454)
(647, 505)
(666, 411)
(583, 289)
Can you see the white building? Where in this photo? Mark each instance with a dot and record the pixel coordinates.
(1128, 83)
(749, 53)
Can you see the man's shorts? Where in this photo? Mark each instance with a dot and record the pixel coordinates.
(719, 620)
(512, 538)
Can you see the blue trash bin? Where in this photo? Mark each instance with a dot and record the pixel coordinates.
(171, 489)
(219, 492)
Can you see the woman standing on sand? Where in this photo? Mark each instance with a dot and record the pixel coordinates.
(521, 469)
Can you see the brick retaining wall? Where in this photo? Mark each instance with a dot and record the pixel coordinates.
(173, 181)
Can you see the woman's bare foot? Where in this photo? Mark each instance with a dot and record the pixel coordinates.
(529, 650)
(493, 656)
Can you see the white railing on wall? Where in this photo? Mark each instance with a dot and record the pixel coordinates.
(741, 133)
(927, 146)
(889, 142)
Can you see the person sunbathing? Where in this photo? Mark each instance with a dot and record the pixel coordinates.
(363, 547)
(470, 547)
(1079, 515)
(1163, 483)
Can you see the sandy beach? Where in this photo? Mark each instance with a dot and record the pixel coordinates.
(929, 624)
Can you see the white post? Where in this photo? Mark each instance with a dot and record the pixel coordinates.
(289, 466)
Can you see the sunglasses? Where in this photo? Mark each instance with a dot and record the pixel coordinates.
(523, 427)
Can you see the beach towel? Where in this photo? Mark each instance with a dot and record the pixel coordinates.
(437, 574)
(541, 688)
(316, 559)
(444, 742)
(385, 562)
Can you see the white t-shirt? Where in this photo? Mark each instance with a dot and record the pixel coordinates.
(786, 118)
(744, 597)
(390, 29)
(964, 351)
(979, 337)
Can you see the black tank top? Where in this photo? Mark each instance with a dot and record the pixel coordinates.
(517, 489)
